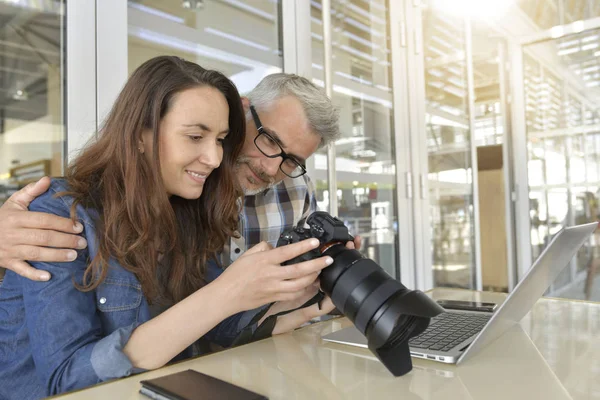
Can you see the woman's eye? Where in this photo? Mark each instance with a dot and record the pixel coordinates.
(195, 138)
(221, 141)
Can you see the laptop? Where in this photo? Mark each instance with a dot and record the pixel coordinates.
(454, 336)
(481, 378)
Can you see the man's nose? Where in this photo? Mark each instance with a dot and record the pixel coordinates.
(271, 165)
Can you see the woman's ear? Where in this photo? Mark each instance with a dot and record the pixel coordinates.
(145, 141)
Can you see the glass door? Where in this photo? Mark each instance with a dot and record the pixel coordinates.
(562, 94)
(450, 169)
(365, 157)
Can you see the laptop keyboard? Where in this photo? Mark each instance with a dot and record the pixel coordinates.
(447, 330)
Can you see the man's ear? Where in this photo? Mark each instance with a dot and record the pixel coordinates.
(246, 104)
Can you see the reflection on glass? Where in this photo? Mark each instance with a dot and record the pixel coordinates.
(238, 38)
(556, 161)
(591, 157)
(448, 138)
(31, 84)
(538, 211)
(585, 209)
(558, 206)
(536, 164)
(489, 52)
(365, 166)
(549, 13)
(563, 132)
(577, 172)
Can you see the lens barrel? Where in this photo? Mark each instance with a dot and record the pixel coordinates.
(380, 307)
(364, 293)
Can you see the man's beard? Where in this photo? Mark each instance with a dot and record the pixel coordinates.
(268, 181)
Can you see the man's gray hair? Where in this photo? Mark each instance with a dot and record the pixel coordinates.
(322, 116)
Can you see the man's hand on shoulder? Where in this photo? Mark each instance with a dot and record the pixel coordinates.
(33, 236)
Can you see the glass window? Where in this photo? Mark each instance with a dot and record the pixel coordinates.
(489, 53)
(538, 212)
(556, 161)
(365, 158)
(239, 38)
(449, 148)
(591, 156)
(562, 117)
(549, 13)
(536, 163)
(32, 55)
(577, 169)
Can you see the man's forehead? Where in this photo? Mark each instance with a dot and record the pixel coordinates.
(287, 120)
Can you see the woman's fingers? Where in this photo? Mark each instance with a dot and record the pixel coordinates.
(299, 284)
(295, 271)
(325, 307)
(262, 246)
(258, 277)
(295, 319)
(287, 252)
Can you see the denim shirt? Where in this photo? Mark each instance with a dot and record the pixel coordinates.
(55, 338)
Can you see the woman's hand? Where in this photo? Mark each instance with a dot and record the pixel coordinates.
(281, 306)
(257, 277)
(295, 319)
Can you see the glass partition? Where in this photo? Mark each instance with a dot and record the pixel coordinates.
(32, 56)
(239, 38)
(365, 159)
(562, 92)
(449, 147)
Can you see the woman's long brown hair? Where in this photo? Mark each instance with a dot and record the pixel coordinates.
(138, 223)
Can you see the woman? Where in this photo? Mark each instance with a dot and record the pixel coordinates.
(157, 199)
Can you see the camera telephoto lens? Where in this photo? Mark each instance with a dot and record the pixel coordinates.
(380, 307)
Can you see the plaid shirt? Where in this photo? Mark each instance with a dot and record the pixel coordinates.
(266, 215)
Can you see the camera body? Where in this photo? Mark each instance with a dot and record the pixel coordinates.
(329, 230)
(380, 307)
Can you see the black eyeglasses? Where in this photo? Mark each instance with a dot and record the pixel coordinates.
(271, 148)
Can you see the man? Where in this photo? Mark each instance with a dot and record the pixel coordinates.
(288, 119)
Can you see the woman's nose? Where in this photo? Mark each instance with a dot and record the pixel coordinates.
(212, 156)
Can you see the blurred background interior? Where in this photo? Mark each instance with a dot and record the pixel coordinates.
(470, 128)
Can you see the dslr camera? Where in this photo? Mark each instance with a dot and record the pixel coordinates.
(383, 309)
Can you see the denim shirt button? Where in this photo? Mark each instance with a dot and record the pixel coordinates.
(102, 300)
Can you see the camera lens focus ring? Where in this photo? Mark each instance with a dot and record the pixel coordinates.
(343, 260)
(373, 302)
(349, 279)
(363, 290)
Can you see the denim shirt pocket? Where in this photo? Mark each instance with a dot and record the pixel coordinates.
(118, 301)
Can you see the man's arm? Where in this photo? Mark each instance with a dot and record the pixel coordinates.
(35, 236)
